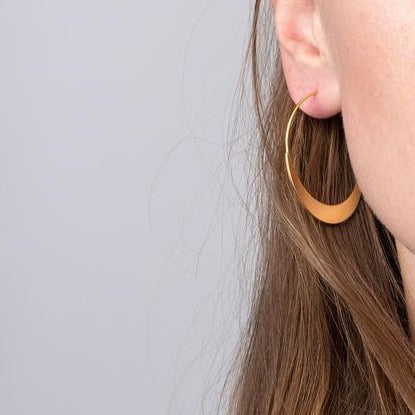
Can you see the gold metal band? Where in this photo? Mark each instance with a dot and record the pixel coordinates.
(332, 214)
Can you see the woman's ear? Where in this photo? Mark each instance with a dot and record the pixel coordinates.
(306, 59)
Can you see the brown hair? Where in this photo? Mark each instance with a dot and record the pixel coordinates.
(327, 331)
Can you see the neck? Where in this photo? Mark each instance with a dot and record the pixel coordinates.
(407, 264)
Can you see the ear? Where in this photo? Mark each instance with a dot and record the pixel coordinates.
(306, 59)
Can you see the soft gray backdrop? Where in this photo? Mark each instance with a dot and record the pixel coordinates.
(117, 224)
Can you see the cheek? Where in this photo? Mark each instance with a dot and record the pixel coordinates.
(376, 63)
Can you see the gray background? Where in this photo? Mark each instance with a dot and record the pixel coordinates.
(118, 219)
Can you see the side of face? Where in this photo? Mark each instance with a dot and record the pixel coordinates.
(361, 58)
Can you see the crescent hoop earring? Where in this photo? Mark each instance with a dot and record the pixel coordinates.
(332, 214)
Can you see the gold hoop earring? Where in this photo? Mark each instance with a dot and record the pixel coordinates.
(332, 214)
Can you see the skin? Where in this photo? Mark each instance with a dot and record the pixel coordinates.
(360, 56)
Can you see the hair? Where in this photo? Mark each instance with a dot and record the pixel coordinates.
(327, 331)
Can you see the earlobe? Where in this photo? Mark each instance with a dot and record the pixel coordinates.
(305, 59)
